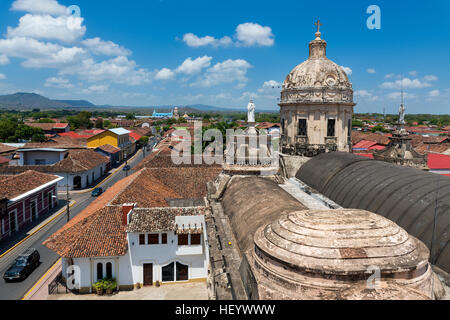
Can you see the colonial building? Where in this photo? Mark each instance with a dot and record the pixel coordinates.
(118, 138)
(24, 198)
(316, 105)
(78, 168)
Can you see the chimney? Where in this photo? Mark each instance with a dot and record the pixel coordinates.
(126, 208)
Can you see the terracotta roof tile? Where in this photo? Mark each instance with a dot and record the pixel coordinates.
(160, 219)
(100, 234)
(13, 186)
(5, 148)
(109, 149)
(77, 160)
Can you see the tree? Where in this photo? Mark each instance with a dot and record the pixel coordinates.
(38, 137)
(379, 128)
(143, 141)
(130, 116)
(46, 120)
(99, 123)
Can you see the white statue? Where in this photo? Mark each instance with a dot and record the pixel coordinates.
(251, 112)
(401, 112)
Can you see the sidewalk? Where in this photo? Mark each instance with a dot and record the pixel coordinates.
(8, 244)
(40, 289)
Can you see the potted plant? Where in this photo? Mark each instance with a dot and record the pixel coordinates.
(111, 286)
(99, 286)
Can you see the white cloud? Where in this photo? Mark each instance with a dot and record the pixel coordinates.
(270, 86)
(434, 93)
(225, 72)
(3, 59)
(194, 41)
(371, 71)
(117, 70)
(191, 67)
(39, 54)
(2, 76)
(58, 82)
(430, 78)
(106, 48)
(366, 95)
(96, 89)
(347, 70)
(64, 28)
(413, 73)
(250, 34)
(407, 83)
(39, 6)
(389, 76)
(247, 34)
(164, 74)
(397, 95)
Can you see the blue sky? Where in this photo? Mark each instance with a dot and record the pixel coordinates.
(166, 52)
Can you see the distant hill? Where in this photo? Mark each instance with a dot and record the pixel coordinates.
(77, 103)
(22, 100)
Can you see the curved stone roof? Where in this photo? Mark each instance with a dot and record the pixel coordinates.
(318, 79)
(251, 202)
(342, 243)
(322, 254)
(404, 195)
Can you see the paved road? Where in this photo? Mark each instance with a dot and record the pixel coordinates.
(15, 291)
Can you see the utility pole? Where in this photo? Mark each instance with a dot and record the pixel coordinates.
(68, 200)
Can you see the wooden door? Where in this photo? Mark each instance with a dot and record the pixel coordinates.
(148, 274)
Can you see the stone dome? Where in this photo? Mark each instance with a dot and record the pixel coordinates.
(318, 79)
(321, 253)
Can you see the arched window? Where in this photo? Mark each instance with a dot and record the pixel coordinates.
(168, 273)
(182, 272)
(109, 270)
(99, 271)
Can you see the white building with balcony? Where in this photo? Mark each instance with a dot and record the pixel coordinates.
(138, 247)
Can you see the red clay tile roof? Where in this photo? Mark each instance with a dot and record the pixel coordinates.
(438, 161)
(13, 186)
(438, 148)
(357, 136)
(109, 148)
(77, 160)
(364, 144)
(4, 160)
(160, 219)
(135, 136)
(60, 125)
(5, 148)
(367, 155)
(101, 234)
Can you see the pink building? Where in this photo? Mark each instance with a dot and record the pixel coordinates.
(24, 198)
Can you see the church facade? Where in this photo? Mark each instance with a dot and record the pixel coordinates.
(316, 106)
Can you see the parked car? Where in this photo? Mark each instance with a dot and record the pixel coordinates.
(127, 168)
(23, 266)
(97, 192)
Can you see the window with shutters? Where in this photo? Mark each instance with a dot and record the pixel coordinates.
(183, 240)
(196, 239)
(142, 239)
(153, 239)
(164, 238)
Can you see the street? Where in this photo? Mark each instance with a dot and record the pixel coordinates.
(15, 291)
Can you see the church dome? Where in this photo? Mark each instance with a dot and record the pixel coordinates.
(321, 253)
(318, 79)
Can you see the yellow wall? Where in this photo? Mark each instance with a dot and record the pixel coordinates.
(103, 138)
